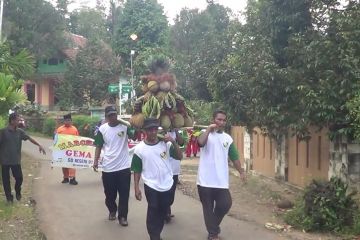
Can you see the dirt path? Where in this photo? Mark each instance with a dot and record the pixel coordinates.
(78, 212)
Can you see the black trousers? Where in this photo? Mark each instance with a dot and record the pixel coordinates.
(114, 183)
(158, 204)
(173, 190)
(216, 203)
(17, 174)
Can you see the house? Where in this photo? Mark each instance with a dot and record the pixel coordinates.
(49, 73)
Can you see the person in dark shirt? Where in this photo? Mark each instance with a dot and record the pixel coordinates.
(11, 139)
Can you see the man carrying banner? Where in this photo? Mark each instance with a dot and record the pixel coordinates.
(112, 137)
(68, 129)
(151, 161)
(11, 139)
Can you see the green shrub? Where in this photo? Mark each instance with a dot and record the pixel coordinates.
(49, 126)
(85, 124)
(325, 206)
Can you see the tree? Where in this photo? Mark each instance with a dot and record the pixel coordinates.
(329, 64)
(88, 76)
(33, 24)
(113, 17)
(12, 68)
(258, 74)
(90, 23)
(199, 41)
(147, 20)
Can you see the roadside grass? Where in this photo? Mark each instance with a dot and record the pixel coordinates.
(18, 220)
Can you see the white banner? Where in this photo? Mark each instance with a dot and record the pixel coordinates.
(71, 151)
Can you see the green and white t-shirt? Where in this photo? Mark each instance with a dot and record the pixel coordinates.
(213, 166)
(114, 142)
(153, 162)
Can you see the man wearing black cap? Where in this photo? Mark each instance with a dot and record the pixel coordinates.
(112, 137)
(68, 129)
(151, 161)
(11, 138)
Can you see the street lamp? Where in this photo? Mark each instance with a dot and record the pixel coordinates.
(1, 16)
(132, 53)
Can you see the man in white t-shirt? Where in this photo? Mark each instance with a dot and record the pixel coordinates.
(213, 173)
(175, 165)
(151, 161)
(112, 137)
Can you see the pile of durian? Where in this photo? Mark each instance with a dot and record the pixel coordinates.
(160, 99)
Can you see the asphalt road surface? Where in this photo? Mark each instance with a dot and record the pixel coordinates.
(78, 212)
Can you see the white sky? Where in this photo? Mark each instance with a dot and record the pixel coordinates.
(173, 7)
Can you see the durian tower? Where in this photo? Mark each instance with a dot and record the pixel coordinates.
(160, 99)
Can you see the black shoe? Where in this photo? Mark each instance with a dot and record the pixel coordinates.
(10, 199)
(73, 181)
(123, 222)
(66, 180)
(18, 196)
(112, 216)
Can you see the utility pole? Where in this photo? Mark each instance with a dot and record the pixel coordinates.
(120, 91)
(1, 17)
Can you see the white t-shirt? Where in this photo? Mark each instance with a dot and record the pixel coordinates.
(175, 164)
(213, 166)
(156, 168)
(116, 150)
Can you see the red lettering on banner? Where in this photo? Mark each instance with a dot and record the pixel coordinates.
(80, 154)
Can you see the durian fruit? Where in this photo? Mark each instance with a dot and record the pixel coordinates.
(177, 121)
(164, 86)
(137, 120)
(153, 86)
(188, 121)
(165, 121)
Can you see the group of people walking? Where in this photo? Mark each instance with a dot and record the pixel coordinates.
(156, 160)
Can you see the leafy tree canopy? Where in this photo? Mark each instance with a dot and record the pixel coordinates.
(88, 76)
(147, 20)
(90, 23)
(199, 41)
(33, 24)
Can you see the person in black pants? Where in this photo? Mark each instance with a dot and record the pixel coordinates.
(213, 173)
(151, 161)
(112, 138)
(11, 139)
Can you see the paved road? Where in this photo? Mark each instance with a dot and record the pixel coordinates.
(78, 212)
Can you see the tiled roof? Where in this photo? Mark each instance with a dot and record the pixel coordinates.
(76, 42)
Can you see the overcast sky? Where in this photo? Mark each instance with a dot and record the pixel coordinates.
(173, 7)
